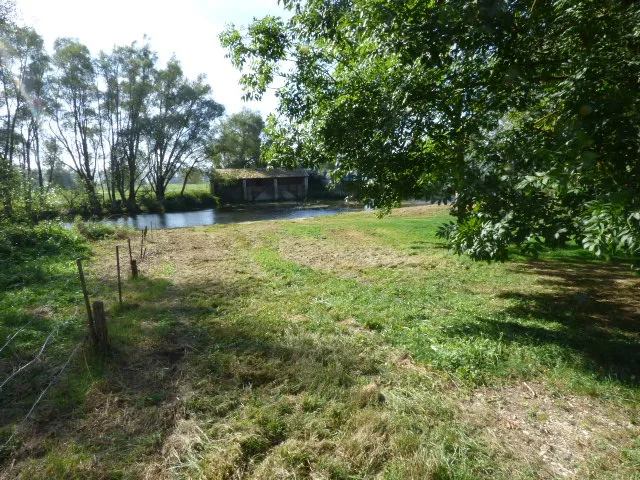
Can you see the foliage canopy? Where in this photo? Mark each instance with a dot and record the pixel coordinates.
(526, 111)
(239, 141)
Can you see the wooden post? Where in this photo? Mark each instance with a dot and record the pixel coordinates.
(87, 304)
(134, 269)
(244, 190)
(130, 254)
(275, 189)
(119, 281)
(306, 187)
(101, 334)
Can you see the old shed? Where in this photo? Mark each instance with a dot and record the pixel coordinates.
(260, 184)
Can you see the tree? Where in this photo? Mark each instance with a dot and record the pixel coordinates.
(182, 119)
(7, 9)
(52, 159)
(526, 111)
(239, 142)
(24, 64)
(75, 117)
(128, 74)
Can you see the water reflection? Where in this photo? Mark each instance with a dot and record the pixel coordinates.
(222, 216)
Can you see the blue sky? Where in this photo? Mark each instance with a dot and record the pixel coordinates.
(187, 28)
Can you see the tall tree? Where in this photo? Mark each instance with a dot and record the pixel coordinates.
(128, 74)
(75, 117)
(183, 116)
(24, 64)
(239, 141)
(527, 111)
(7, 9)
(35, 87)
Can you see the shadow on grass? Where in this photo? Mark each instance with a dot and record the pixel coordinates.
(173, 342)
(591, 311)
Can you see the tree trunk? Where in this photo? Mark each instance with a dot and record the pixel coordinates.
(94, 202)
(6, 188)
(160, 188)
(131, 200)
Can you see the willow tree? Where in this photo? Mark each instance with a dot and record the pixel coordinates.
(128, 77)
(23, 63)
(75, 116)
(183, 113)
(526, 111)
(239, 140)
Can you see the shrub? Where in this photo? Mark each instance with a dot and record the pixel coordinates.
(608, 230)
(148, 203)
(481, 239)
(93, 230)
(49, 238)
(174, 202)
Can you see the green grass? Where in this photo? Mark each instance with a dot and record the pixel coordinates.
(345, 347)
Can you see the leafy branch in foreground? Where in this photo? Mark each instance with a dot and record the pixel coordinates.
(527, 112)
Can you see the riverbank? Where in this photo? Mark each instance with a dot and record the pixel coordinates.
(335, 347)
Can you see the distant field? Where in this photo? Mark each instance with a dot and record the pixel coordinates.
(346, 347)
(177, 187)
(191, 187)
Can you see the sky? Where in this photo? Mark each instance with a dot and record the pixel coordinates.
(187, 28)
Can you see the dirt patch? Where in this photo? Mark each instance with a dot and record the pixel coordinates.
(559, 432)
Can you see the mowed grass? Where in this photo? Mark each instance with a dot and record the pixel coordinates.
(348, 347)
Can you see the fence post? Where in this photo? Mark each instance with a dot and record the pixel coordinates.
(87, 304)
(119, 281)
(101, 334)
(143, 236)
(134, 269)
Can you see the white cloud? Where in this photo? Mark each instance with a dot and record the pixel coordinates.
(188, 28)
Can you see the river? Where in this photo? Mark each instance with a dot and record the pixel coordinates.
(230, 215)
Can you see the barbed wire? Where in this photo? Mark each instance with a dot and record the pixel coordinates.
(33, 407)
(15, 335)
(34, 359)
(12, 337)
(37, 357)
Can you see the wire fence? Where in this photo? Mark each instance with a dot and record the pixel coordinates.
(17, 371)
(35, 404)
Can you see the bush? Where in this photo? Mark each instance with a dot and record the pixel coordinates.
(608, 230)
(48, 238)
(174, 202)
(93, 230)
(481, 239)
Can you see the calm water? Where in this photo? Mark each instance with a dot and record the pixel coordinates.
(234, 215)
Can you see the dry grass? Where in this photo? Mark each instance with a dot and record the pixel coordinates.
(558, 432)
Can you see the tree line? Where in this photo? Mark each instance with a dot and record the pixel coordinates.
(118, 120)
(527, 112)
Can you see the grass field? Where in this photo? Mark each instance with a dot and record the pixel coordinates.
(344, 347)
(177, 188)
